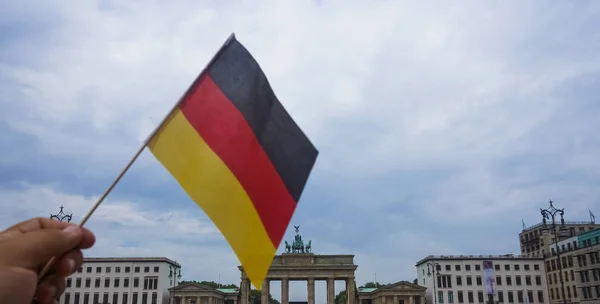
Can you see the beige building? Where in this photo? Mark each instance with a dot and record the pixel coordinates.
(398, 293)
(196, 293)
(133, 280)
(536, 240)
(462, 279)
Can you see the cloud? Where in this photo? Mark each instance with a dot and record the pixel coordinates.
(434, 123)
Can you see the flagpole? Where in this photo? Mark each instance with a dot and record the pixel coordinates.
(139, 151)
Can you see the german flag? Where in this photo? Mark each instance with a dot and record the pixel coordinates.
(238, 154)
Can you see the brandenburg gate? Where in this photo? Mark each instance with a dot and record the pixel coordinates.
(298, 263)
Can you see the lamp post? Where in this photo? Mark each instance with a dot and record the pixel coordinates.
(61, 216)
(433, 267)
(173, 275)
(551, 213)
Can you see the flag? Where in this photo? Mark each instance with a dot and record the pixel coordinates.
(238, 154)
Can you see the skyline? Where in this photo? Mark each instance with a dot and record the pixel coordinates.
(439, 127)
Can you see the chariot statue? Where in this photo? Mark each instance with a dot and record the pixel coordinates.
(297, 245)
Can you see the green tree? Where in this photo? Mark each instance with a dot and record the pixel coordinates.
(415, 281)
(340, 298)
(211, 284)
(373, 285)
(255, 298)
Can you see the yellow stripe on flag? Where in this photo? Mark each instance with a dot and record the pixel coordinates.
(210, 183)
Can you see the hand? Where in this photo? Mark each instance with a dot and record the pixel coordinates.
(25, 249)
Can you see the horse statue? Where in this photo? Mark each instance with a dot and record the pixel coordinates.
(288, 248)
(307, 248)
(298, 245)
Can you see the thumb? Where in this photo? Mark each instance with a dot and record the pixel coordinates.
(32, 249)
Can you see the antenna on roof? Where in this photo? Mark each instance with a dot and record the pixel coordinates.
(523, 222)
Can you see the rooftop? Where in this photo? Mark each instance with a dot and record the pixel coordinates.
(476, 257)
(540, 224)
(130, 260)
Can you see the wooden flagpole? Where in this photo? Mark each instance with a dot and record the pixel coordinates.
(46, 268)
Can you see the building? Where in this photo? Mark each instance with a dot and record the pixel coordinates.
(401, 293)
(580, 263)
(196, 293)
(122, 281)
(536, 240)
(462, 278)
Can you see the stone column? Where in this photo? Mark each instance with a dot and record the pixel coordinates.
(264, 293)
(411, 300)
(285, 291)
(330, 291)
(350, 292)
(396, 300)
(210, 300)
(244, 291)
(311, 291)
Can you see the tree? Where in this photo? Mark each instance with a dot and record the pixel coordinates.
(255, 298)
(416, 281)
(340, 298)
(373, 285)
(211, 284)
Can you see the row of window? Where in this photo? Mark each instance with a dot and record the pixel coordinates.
(481, 299)
(108, 269)
(150, 283)
(587, 292)
(556, 278)
(516, 267)
(568, 295)
(86, 298)
(445, 281)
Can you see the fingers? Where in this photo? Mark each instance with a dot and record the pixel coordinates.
(43, 223)
(50, 289)
(68, 263)
(37, 247)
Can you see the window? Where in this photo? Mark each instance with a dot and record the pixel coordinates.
(156, 268)
(516, 267)
(124, 300)
(88, 282)
(528, 280)
(105, 297)
(136, 269)
(552, 293)
(444, 281)
(477, 267)
(151, 283)
(88, 270)
(511, 298)
(520, 296)
(144, 298)
(98, 269)
(478, 280)
(497, 267)
(450, 297)
(469, 281)
(78, 283)
(530, 296)
(468, 267)
(569, 291)
(470, 297)
(67, 297)
(117, 281)
(68, 282)
(508, 280)
(447, 268)
(146, 269)
(498, 280)
(526, 267)
(86, 298)
(536, 267)
(134, 298)
(96, 297)
(538, 280)
(115, 298)
(500, 296)
(459, 280)
(76, 298)
(117, 269)
(457, 267)
(126, 282)
(460, 297)
(136, 282)
(507, 267)
(440, 297)
(480, 296)
(97, 283)
(80, 270)
(107, 269)
(127, 269)
(107, 282)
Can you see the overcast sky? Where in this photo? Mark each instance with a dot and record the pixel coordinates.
(440, 125)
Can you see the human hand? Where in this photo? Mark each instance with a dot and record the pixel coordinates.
(25, 248)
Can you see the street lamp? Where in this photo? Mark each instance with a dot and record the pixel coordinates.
(434, 267)
(551, 213)
(173, 275)
(61, 216)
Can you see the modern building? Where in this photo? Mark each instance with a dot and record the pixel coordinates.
(463, 279)
(134, 280)
(536, 240)
(580, 263)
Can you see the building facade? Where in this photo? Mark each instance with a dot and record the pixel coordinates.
(463, 279)
(536, 240)
(122, 281)
(580, 263)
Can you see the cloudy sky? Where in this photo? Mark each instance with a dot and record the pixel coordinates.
(440, 125)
